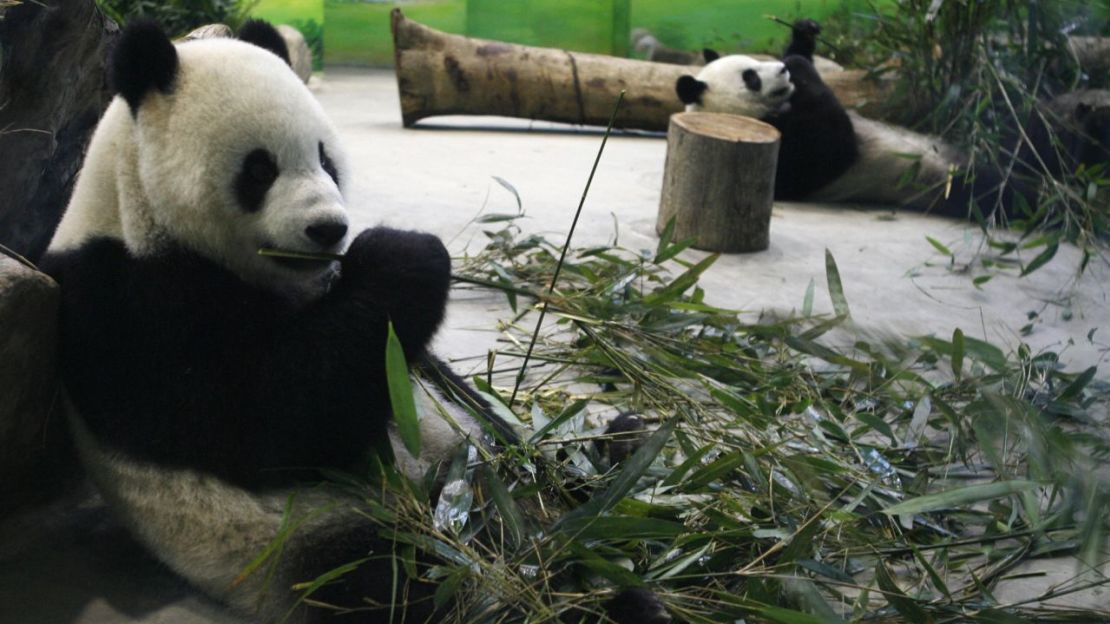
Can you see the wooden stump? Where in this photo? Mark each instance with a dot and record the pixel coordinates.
(719, 181)
(444, 74)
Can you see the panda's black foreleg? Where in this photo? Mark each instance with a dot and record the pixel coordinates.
(405, 275)
(803, 39)
(377, 591)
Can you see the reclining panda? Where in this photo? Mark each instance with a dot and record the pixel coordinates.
(210, 383)
(827, 153)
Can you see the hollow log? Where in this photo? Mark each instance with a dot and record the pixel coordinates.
(719, 181)
(444, 74)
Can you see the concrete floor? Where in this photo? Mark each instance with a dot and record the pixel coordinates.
(437, 176)
(74, 566)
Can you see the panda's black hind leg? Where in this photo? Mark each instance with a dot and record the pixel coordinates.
(362, 595)
(636, 605)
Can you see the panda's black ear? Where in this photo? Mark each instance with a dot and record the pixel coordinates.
(265, 36)
(689, 89)
(143, 59)
(710, 54)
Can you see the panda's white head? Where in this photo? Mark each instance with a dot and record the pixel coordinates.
(737, 84)
(217, 146)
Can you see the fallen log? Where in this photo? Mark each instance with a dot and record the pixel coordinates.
(719, 181)
(443, 74)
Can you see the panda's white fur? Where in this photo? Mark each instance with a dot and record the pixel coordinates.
(209, 532)
(895, 165)
(160, 177)
(888, 154)
(728, 91)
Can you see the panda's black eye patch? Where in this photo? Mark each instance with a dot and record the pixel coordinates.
(752, 80)
(327, 164)
(256, 176)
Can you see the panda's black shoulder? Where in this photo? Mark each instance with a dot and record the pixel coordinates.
(93, 255)
(810, 91)
(818, 140)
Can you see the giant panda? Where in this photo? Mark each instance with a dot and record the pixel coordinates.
(208, 384)
(827, 153)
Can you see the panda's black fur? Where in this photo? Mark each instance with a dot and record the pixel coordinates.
(208, 397)
(263, 35)
(826, 153)
(142, 61)
(803, 39)
(151, 344)
(829, 154)
(818, 141)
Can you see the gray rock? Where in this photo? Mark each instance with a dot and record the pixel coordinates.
(300, 57)
(210, 31)
(299, 54)
(53, 89)
(35, 456)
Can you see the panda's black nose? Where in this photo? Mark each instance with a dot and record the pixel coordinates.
(326, 234)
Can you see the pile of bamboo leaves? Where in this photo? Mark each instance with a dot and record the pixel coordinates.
(784, 475)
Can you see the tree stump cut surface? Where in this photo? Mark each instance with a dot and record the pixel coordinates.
(719, 181)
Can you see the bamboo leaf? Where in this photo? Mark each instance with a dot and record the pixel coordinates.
(960, 496)
(674, 250)
(680, 283)
(789, 616)
(957, 352)
(919, 421)
(634, 468)
(934, 578)
(903, 604)
(986, 353)
(496, 217)
(825, 570)
(1076, 386)
(714, 470)
(836, 288)
(623, 527)
(400, 393)
(447, 588)
(664, 239)
(807, 300)
(568, 412)
(1041, 259)
(514, 521)
(693, 460)
(939, 246)
(512, 189)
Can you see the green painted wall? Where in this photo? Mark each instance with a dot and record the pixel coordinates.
(356, 32)
(599, 26)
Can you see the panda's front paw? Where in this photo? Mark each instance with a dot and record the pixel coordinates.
(390, 256)
(403, 276)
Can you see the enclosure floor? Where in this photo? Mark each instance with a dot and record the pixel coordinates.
(79, 568)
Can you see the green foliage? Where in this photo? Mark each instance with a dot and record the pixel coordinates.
(979, 73)
(179, 17)
(401, 400)
(788, 478)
